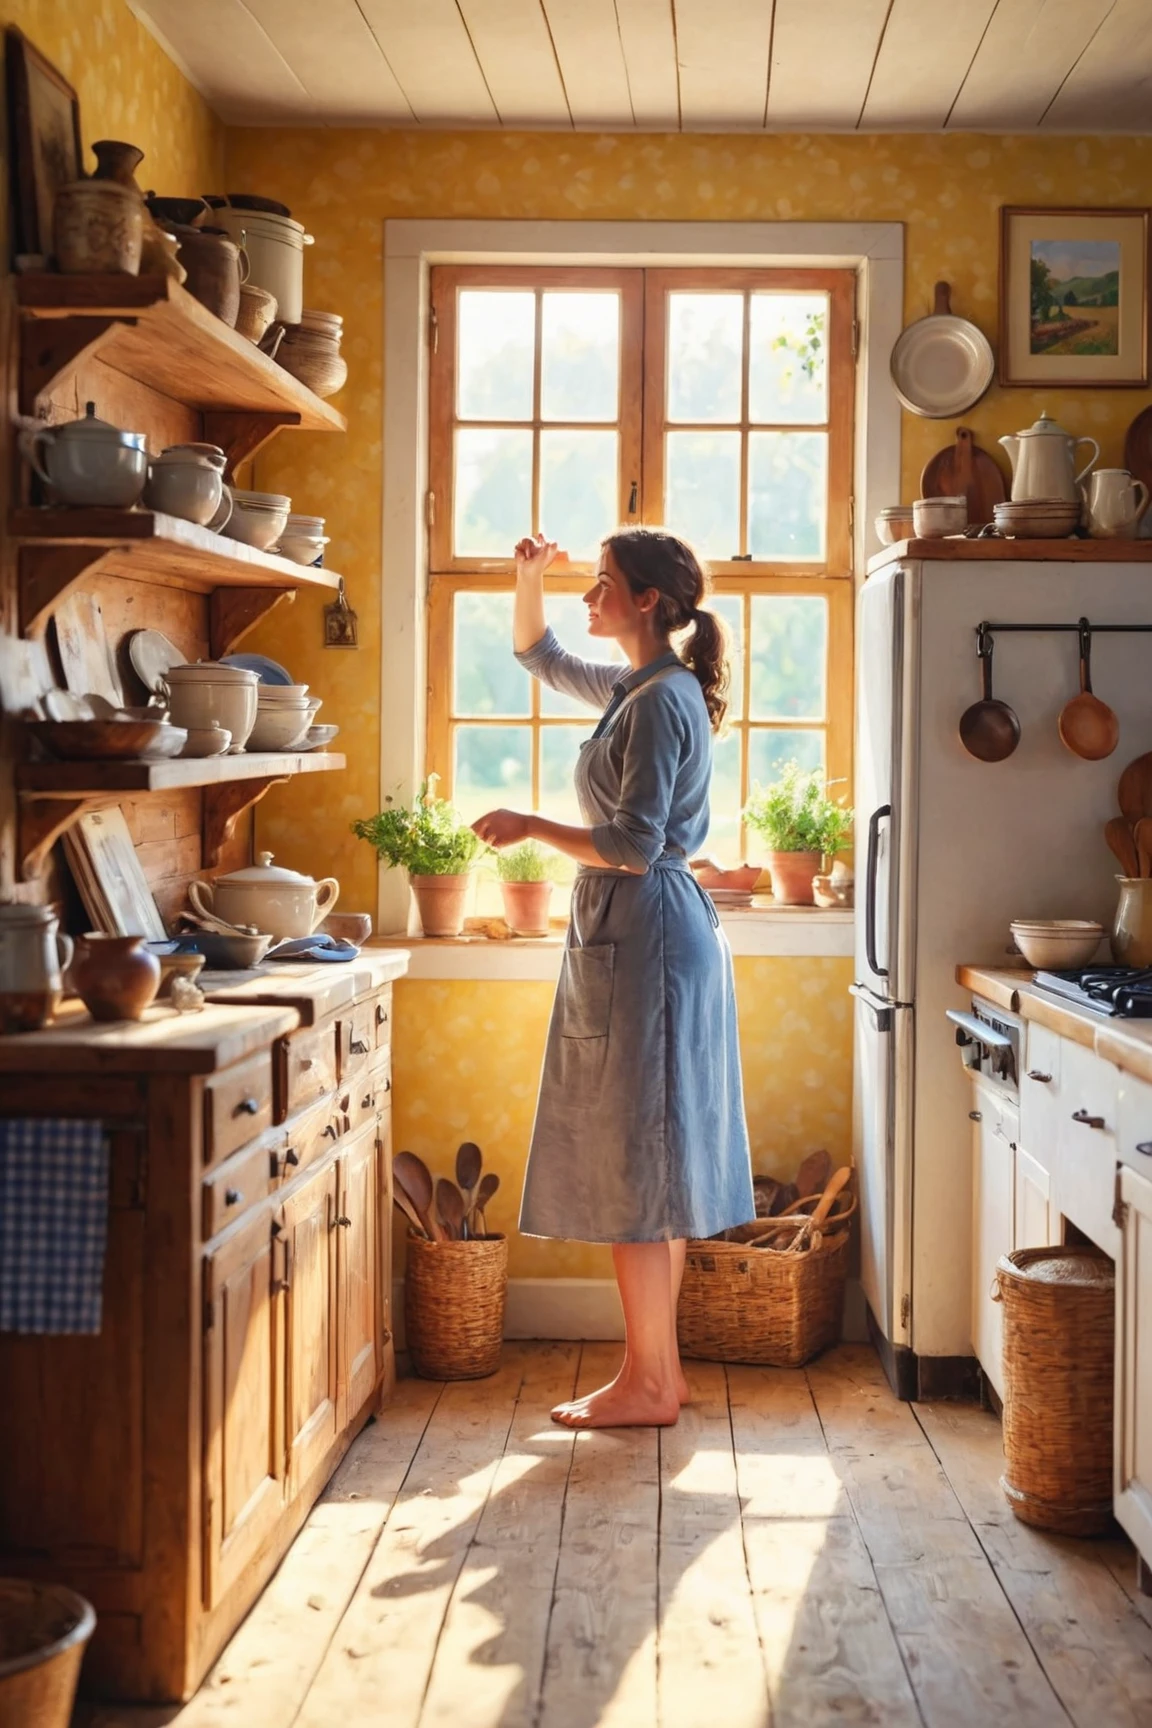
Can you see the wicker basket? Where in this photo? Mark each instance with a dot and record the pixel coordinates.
(454, 1294)
(751, 1304)
(1059, 1306)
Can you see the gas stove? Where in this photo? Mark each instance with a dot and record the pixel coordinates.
(1122, 991)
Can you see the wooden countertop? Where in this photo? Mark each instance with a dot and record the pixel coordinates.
(1071, 551)
(163, 1042)
(1126, 1043)
(313, 990)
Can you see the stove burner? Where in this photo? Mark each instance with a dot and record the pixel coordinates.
(1122, 991)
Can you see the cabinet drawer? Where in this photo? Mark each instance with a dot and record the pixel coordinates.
(1134, 1123)
(1086, 1171)
(244, 1180)
(382, 1017)
(237, 1106)
(366, 1095)
(357, 1037)
(307, 1136)
(1040, 1094)
(307, 1067)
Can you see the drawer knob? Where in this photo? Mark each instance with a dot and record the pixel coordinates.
(358, 1047)
(1144, 1146)
(246, 1107)
(344, 1223)
(232, 1196)
(366, 1101)
(331, 1132)
(975, 1116)
(1088, 1121)
(291, 1156)
(1035, 1074)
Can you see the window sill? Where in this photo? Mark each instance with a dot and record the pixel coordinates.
(758, 932)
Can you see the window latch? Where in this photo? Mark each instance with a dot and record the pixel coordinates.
(633, 496)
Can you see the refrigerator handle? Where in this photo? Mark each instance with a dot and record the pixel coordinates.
(881, 1014)
(870, 889)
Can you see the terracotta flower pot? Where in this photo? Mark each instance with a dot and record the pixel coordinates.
(441, 902)
(526, 907)
(792, 874)
(115, 977)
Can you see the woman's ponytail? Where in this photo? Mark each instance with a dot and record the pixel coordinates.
(706, 654)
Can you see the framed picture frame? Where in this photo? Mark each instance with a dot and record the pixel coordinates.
(44, 138)
(1074, 298)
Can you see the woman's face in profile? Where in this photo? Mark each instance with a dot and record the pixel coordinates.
(613, 609)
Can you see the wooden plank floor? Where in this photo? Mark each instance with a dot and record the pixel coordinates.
(801, 1550)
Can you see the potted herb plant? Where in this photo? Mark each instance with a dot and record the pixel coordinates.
(802, 828)
(435, 845)
(527, 874)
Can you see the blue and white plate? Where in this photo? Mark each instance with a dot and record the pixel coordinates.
(268, 671)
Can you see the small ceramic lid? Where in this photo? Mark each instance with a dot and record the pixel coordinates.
(185, 456)
(210, 672)
(1044, 427)
(92, 428)
(268, 874)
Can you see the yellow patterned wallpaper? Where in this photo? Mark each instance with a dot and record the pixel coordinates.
(946, 190)
(128, 89)
(467, 1060)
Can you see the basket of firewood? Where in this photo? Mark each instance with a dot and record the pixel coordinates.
(771, 1292)
(456, 1283)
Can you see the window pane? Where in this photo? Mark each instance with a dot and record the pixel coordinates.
(787, 494)
(724, 827)
(579, 489)
(580, 357)
(705, 355)
(493, 492)
(492, 768)
(702, 490)
(487, 678)
(568, 617)
(559, 748)
(730, 607)
(768, 752)
(788, 357)
(495, 347)
(789, 653)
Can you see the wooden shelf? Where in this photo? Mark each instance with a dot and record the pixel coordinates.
(153, 331)
(54, 795)
(1070, 551)
(58, 547)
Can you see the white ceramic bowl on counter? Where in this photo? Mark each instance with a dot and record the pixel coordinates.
(1057, 944)
(933, 518)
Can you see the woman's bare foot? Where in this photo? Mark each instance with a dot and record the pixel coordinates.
(625, 1403)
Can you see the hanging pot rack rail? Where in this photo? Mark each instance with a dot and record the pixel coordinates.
(987, 628)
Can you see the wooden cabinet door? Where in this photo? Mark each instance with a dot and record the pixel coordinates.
(243, 1399)
(358, 1275)
(309, 1215)
(993, 1180)
(1133, 1429)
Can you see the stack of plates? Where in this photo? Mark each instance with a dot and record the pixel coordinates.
(730, 896)
(1038, 518)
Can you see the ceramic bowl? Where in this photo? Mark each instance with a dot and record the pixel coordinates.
(279, 728)
(270, 693)
(895, 524)
(348, 926)
(176, 965)
(933, 518)
(302, 548)
(230, 953)
(255, 525)
(1057, 943)
(207, 741)
(202, 696)
(107, 740)
(1037, 519)
(319, 737)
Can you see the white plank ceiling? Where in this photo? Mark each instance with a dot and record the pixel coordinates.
(669, 65)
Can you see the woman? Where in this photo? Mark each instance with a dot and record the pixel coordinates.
(640, 1137)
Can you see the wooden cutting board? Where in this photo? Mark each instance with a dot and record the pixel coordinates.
(964, 470)
(85, 653)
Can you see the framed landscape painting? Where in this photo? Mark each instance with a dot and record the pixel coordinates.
(1074, 297)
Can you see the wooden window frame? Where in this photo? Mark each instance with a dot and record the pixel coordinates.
(642, 429)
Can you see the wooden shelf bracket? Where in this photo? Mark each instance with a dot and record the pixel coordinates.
(232, 612)
(240, 436)
(47, 573)
(223, 806)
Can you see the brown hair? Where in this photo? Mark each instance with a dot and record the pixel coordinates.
(650, 558)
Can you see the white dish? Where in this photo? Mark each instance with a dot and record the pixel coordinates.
(319, 737)
(152, 657)
(268, 671)
(207, 740)
(254, 525)
(941, 366)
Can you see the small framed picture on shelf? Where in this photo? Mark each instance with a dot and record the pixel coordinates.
(1074, 298)
(44, 140)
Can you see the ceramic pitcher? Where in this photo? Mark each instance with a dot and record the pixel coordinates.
(1043, 459)
(33, 953)
(1131, 939)
(1114, 504)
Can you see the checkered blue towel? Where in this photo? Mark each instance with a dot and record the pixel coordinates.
(53, 1224)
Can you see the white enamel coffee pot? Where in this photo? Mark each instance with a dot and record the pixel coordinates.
(1043, 460)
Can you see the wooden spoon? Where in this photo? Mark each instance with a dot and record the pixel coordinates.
(488, 1187)
(836, 1182)
(989, 730)
(1143, 838)
(814, 1171)
(450, 1205)
(401, 1200)
(1088, 726)
(1123, 846)
(412, 1177)
(469, 1162)
(1135, 789)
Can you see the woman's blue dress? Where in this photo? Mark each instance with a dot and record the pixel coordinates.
(640, 1133)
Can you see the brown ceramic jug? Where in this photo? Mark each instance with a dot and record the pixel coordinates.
(115, 977)
(216, 267)
(117, 161)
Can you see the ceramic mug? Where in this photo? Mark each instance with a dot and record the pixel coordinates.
(1115, 503)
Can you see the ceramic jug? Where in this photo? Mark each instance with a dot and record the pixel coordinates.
(1114, 504)
(33, 953)
(1131, 938)
(1043, 460)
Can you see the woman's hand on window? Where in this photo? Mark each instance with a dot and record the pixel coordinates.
(503, 827)
(534, 554)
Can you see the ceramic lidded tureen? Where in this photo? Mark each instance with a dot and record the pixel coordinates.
(281, 902)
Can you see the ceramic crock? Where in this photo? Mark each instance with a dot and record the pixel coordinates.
(207, 693)
(186, 484)
(33, 953)
(1131, 938)
(115, 977)
(216, 268)
(98, 228)
(88, 462)
(1043, 460)
(280, 902)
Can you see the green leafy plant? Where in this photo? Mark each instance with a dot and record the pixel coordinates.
(528, 862)
(794, 814)
(427, 838)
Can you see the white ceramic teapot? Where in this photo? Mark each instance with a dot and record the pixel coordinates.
(88, 462)
(279, 902)
(1043, 460)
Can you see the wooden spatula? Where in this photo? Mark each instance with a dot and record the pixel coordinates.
(1135, 789)
(450, 1205)
(1122, 845)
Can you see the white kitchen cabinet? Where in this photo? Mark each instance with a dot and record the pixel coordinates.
(995, 1125)
(1086, 1144)
(1133, 1433)
(1134, 1123)
(1037, 1222)
(1037, 1214)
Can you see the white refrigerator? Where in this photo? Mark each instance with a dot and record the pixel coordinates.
(948, 851)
